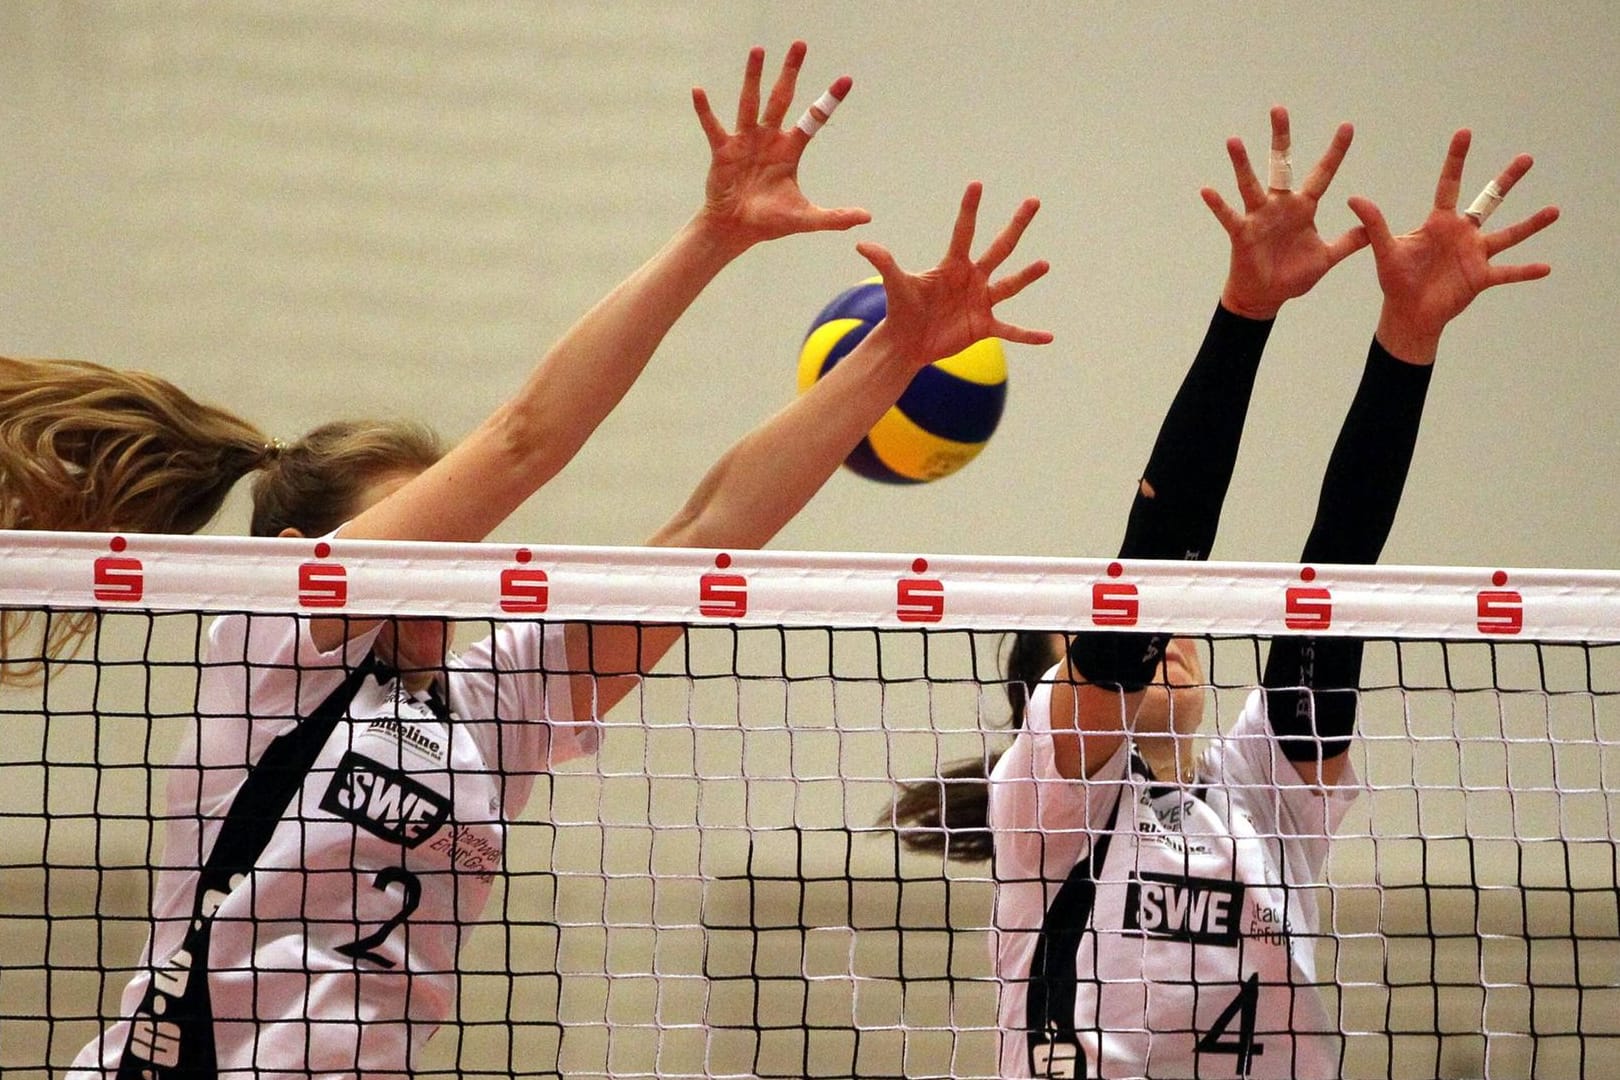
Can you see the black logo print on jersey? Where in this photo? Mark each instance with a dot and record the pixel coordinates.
(383, 801)
(1201, 911)
(413, 737)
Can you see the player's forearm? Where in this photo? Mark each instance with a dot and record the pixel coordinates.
(1361, 491)
(1367, 471)
(1186, 476)
(772, 472)
(532, 435)
(588, 371)
(1178, 503)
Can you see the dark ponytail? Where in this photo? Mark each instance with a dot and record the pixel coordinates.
(949, 814)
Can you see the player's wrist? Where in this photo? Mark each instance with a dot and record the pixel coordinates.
(1247, 305)
(1408, 339)
(717, 236)
(887, 357)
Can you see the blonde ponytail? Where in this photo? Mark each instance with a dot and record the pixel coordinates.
(84, 448)
(90, 449)
(87, 448)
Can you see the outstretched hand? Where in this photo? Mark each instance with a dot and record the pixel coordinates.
(1277, 253)
(942, 311)
(1429, 276)
(752, 192)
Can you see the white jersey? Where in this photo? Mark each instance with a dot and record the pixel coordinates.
(1146, 929)
(336, 955)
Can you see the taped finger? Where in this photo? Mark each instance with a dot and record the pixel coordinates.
(1485, 203)
(1280, 177)
(818, 113)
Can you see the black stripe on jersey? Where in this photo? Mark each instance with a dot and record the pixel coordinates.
(434, 699)
(1053, 971)
(436, 703)
(172, 1031)
(1156, 788)
(271, 783)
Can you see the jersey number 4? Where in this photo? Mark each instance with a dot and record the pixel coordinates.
(365, 948)
(1243, 1047)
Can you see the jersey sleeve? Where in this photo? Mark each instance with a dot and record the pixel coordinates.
(268, 671)
(512, 689)
(1044, 822)
(1270, 789)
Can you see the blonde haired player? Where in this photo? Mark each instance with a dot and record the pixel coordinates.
(340, 806)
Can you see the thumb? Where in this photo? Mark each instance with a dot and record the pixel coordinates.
(881, 259)
(1372, 220)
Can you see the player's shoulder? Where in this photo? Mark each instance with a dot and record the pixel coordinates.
(227, 637)
(254, 638)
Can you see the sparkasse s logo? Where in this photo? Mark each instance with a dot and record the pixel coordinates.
(118, 577)
(1308, 607)
(525, 589)
(1499, 610)
(1114, 603)
(918, 599)
(723, 596)
(322, 584)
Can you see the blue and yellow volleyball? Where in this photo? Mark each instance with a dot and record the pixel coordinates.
(944, 418)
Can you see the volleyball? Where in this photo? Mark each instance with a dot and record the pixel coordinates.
(944, 418)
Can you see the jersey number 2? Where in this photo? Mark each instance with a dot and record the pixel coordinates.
(361, 948)
(1242, 1008)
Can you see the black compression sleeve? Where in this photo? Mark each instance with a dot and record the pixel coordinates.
(1193, 458)
(1178, 505)
(1360, 493)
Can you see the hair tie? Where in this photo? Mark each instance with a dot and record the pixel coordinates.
(273, 449)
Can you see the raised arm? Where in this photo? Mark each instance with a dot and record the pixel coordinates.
(751, 195)
(758, 485)
(1429, 277)
(1277, 255)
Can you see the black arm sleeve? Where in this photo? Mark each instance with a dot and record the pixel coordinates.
(1178, 504)
(1360, 493)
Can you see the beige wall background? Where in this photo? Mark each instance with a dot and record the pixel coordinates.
(314, 210)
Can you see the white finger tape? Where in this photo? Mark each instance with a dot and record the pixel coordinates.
(1485, 203)
(1281, 175)
(818, 113)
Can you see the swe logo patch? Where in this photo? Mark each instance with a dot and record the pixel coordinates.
(1200, 911)
(385, 802)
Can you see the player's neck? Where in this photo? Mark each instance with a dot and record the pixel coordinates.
(1165, 758)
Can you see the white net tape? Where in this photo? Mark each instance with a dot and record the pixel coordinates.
(717, 892)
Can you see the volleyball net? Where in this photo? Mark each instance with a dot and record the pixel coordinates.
(720, 889)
